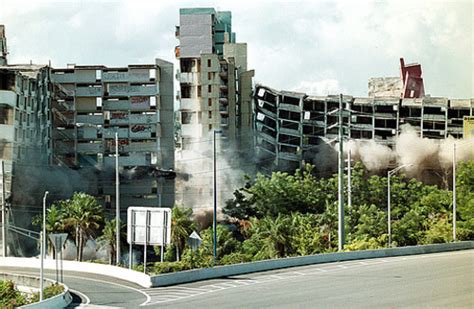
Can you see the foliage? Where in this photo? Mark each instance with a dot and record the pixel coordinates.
(181, 227)
(10, 297)
(82, 218)
(109, 238)
(48, 292)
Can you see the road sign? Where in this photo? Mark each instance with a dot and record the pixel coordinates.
(468, 127)
(148, 225)
(194, 241)
(58, 240)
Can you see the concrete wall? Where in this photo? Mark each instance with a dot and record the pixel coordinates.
(244, 268)
(33, 283)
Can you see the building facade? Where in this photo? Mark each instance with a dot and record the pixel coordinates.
(215, 94)
(290, 126)
(91, 104)
(215, 86)
(58, 129)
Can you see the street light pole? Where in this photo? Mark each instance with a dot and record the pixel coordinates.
(4, 217)
(340, 225)
(389, 218)
(454, 192)
(214, 219)
(117, 202)
(43, 245)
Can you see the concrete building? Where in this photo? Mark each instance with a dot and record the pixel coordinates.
(215, 85)
(290, 126)
(215, 93)
(92, 103)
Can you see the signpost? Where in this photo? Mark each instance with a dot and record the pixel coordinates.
(58, 241)
(148, 226)
(194, 241)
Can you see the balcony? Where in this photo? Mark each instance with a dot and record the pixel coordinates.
(188, 78)
(7, 132)
(89, 91)
(142, 131)
(8, 97)
(90, 119)
(90, 147)
(142, 76)
(189, 104)
(143, 119)
(133, 90)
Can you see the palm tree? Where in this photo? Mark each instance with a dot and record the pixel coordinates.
(54, 222)
(108, 238)
(181, 227)
(82, 216)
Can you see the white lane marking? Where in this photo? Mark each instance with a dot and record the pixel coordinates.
(342, 266)
(106, 282)
(88, 301)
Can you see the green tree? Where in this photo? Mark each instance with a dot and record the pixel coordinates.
(54, 222)
(82, 217)
(181, 227)
(108, 238)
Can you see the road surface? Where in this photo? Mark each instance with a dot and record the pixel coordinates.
(421, 281)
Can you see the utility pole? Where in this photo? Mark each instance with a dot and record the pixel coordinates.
(43, 246)
(349, 187)
(214, 221)
(4, 217)
(454, 192)
(117, 201)
(340, 230)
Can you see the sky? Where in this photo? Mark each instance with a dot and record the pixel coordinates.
(316, 47)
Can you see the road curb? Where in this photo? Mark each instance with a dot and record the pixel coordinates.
(245, 268)
(59, 301)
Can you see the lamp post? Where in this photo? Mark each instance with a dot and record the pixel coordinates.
(214, 219)
(454, 186)
(43, 245)
(389, 219)
(117, 202)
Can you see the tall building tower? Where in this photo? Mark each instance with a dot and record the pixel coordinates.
(3, 46)
(215, 94)
(215, 86)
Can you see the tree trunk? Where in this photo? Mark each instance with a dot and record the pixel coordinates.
(177, 253)
(77, 244)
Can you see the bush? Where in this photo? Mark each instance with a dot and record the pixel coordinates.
(235, 258)
(169, 267)
(48, 292)
(10, 297)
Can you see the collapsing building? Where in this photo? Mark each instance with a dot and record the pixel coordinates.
(58, 127)
(290, 127)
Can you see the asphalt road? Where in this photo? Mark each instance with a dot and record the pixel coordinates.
(443, 280)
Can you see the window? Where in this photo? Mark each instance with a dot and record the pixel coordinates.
(209, 75)
(98, 103)
(209, 63)
(210, 115)
(186, 117)
(210, 127)
(209, 88)
(98, 74)
(199, 91)
(153, 101)
(209, 102)
(185, 91)
(152, 74)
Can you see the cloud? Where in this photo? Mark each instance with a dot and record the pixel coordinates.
(290, 43)
(321, 87)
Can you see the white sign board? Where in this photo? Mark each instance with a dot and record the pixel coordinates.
(150, 223)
